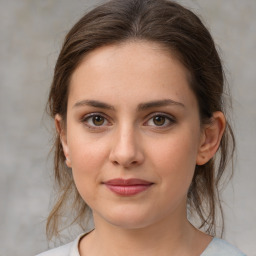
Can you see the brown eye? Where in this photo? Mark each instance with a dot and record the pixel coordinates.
(98, 120)
(159, 120)
(95, 121)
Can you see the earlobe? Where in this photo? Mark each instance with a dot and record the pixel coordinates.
(211, 137)
(63, 138)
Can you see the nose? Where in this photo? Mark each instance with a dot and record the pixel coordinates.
(126, 149)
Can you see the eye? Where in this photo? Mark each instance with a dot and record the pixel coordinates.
(95, 120)
(160, 120)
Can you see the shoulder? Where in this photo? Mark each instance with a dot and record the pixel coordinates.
(63, 250)
(219, 247)
(70, 249)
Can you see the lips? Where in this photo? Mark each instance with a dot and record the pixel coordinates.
(127, 187)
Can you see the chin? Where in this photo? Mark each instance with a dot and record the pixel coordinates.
(128, 218)
(129, 224)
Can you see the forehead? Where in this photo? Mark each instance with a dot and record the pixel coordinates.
(138, 68)
(128, 51)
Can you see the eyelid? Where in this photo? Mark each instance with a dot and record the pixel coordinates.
(169, 117)
(91, 115)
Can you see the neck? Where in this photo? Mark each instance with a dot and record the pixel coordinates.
(180, 238)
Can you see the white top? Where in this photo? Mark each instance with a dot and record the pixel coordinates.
(217, 247)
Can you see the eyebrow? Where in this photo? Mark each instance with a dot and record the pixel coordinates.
(159, 103)
(93, 103)
(141, 107)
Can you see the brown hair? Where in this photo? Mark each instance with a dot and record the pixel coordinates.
(182, 32)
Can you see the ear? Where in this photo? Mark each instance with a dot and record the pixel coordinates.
(63, 138)
(211, 137)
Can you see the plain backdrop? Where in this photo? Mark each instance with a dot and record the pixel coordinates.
(31, 33)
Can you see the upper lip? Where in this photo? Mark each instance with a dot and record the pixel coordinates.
(127, 182)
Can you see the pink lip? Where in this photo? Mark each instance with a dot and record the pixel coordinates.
(127, 187)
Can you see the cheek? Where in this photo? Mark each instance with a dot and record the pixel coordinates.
(86, 151)
(88, 158)
(175, 160)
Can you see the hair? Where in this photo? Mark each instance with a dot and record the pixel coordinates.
(181, 32)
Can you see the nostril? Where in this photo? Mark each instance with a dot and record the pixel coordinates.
(115, 163)
(134, 162)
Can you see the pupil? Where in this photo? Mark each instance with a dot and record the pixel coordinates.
(98, 120)
(159, 120)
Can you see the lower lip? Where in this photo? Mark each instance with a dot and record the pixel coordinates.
(128, 190)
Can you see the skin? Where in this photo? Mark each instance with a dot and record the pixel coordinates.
(133, 137)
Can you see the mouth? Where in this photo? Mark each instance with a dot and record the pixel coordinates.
(127, 187)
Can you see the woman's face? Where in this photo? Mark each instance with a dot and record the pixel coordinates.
(133, 134)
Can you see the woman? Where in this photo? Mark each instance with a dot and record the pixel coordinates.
(138, 108)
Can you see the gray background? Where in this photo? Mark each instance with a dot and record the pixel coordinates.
(31, 32)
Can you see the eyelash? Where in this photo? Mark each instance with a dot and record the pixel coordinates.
(86, 119)
(168, 120)
(89, 118)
